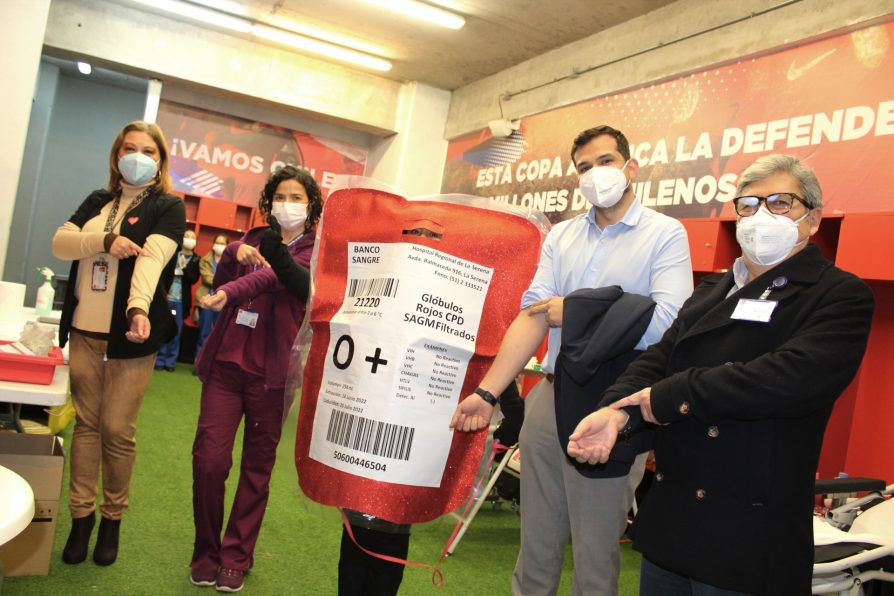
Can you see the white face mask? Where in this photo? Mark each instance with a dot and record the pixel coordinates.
(189, 243)
(137, 169)
(218, 249)
(291, 216)
(604, 186)
(767, 239)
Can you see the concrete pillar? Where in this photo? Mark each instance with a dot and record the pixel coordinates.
(21, 43)
(413, 159)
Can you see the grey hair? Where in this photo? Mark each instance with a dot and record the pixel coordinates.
(768, 165)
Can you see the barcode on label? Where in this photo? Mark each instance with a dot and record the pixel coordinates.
(378, 286)
(370, 436)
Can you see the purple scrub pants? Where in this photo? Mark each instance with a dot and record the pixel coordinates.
(230, 394)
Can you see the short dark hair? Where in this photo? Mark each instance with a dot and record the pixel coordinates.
(305, 179)
(591, 133)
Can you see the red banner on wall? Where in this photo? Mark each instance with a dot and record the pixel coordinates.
(230, 158)
(829, 102)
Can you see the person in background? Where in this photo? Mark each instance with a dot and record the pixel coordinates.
(617, 242)
(741, 388)
(186, 273)
(207, 269)
(360, 574)
(243, 368)
(121, 241)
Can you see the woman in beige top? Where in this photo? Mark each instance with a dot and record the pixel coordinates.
(121, 241)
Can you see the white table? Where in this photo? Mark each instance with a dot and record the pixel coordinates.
(16, 507)
(16, 504)
(53, 394)
(16, 394)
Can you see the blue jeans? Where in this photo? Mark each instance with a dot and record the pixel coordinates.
(206, 323)
(167, 354)
(656, 581)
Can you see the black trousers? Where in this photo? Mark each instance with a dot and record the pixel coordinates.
(362, 575)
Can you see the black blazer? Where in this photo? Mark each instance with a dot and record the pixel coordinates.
(746, 405)
(600, 329)
(158, 214)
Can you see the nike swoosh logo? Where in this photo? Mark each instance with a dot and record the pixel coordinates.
(795, 72)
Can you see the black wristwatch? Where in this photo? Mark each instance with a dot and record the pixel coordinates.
(486, 396)
(625, 432)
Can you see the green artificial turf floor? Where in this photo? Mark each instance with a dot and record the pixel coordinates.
(297, 552)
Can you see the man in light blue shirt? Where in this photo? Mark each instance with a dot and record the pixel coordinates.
(617, 242)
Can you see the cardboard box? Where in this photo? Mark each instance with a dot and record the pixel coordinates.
(40, 460)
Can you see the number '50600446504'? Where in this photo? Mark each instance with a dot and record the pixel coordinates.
(356, 461)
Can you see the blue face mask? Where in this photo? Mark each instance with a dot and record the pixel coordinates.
(137, 168)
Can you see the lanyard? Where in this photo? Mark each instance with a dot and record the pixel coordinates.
(111, 222)
(295, 239)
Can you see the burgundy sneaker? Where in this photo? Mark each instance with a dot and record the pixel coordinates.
(230, 580)
(203, 579)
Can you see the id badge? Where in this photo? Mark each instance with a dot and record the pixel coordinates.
(247, 318)
(754, 310)
(100, 279)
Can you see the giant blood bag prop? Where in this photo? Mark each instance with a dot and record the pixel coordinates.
(411, 300)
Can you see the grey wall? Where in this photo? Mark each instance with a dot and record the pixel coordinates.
(73, 124)
(32, 159)
(645, 49)
(244, 107)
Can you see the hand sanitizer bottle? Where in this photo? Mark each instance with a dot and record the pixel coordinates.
(45, 293)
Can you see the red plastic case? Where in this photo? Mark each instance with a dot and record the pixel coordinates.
(30, 369)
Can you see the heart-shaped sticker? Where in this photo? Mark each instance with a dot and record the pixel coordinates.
(133, 220)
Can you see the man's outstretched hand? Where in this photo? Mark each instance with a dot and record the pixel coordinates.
(472, 413)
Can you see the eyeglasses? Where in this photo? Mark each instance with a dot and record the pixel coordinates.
(778, 203)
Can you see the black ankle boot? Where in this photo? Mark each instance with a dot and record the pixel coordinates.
(78, 540)
(106, 550)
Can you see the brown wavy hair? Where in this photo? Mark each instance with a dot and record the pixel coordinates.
(163, 178)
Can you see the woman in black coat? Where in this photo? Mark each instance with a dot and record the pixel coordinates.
(741, 388)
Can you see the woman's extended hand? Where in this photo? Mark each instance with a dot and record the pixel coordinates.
(215, 301)
(248, 255)
(123, 248)
(139, 329)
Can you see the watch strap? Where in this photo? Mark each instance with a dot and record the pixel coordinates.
(486, 396)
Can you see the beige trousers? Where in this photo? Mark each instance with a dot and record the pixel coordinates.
(557, 502)
(107, 395)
